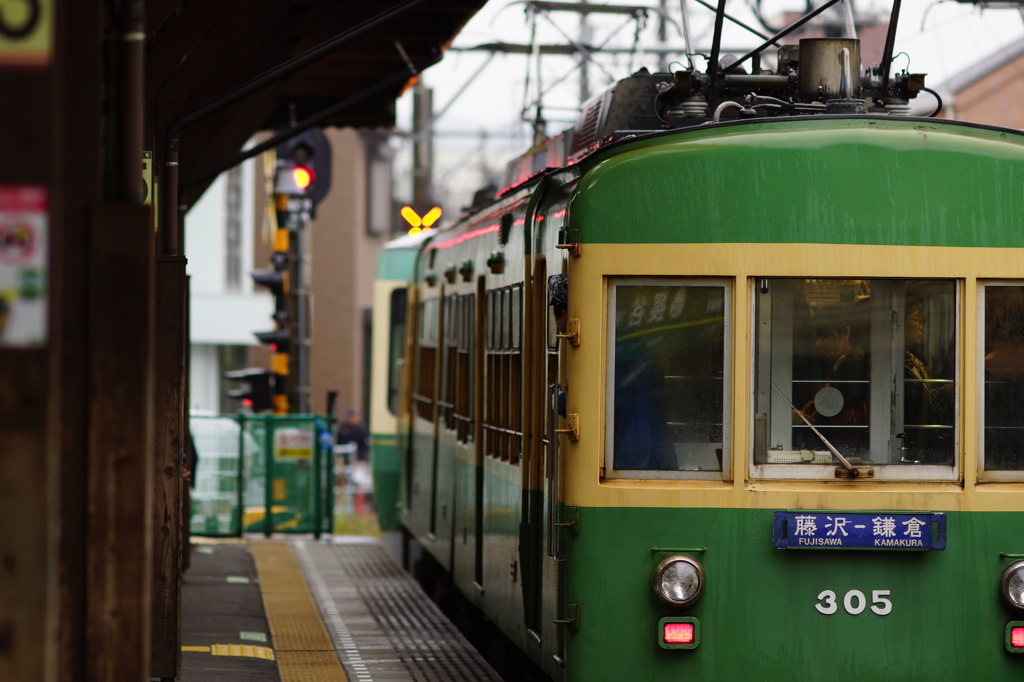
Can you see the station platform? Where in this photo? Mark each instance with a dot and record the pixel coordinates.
(297, 609)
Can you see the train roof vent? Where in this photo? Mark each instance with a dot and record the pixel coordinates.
(586, 128)
(628, 105)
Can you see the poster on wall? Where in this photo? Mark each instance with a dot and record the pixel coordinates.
(293, 443)
(26, 34)
(24, 232)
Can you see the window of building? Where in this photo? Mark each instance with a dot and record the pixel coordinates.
(233, 230)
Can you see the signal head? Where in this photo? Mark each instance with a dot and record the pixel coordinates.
(303, 176)
(305, 160)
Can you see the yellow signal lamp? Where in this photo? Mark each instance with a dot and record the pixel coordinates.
(418, 223)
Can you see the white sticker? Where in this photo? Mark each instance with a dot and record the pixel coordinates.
(24, 248)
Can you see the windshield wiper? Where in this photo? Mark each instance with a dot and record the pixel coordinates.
(831, 448)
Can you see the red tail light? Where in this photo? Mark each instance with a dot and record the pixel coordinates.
(1017, 636)
(678, 633)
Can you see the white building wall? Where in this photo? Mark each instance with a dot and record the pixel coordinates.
(219, 316)
(204, 377)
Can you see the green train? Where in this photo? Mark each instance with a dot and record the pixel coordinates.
(777, 432)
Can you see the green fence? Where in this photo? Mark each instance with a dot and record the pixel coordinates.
(262, 474)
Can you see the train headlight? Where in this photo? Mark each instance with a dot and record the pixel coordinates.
(679, 580)
(1011, 585)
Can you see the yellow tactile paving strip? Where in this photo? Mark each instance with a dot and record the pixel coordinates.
(246, 650)
(303, 648)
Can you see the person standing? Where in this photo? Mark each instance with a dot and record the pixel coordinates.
(353, 430)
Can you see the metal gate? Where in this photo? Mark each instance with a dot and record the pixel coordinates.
(262, 474)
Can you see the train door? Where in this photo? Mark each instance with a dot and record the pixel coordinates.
(438, 490)
(531, 535)
(540, 552)
(454, 500)
(555, 351)
(423, 417)
(480, 320)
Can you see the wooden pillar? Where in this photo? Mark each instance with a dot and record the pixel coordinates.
(76, 429)
(120, 442)
(168, 512)
(29, 378)
(28, 547)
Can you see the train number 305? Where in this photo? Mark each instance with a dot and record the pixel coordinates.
(854, 602)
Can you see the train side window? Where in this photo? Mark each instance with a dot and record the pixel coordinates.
(492, 372)
(449, 361)
(464, 368)
(396, 346)
(667, 378)
(864, 366)
(426, 358)
(502, 419)
(1002, 366)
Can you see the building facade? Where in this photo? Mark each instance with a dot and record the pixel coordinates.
(229, 233)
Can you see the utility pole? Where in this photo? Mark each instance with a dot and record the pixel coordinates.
(584, 39)
(423, 144)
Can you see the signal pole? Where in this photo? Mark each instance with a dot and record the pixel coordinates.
(298, 362)
(293, 213)
(302, 178)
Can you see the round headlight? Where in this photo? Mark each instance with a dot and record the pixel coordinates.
(1011, 585)
(678, 580)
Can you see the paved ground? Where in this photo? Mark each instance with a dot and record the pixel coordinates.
(224, 626)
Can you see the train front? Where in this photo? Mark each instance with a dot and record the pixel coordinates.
(798, 385)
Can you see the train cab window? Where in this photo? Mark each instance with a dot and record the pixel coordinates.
(862, 367)
(667, 379)
(1002, 366)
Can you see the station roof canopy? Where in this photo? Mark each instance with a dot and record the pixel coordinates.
(199, 53)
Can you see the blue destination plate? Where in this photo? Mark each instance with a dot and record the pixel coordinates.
(845, 530)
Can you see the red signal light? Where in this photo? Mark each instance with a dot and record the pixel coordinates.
(303, 176)
(678, 633)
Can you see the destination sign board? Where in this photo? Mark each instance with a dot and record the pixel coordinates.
(859, 530)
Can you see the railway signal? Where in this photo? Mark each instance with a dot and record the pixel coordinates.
(301, 180)
(420, 218)
(276, 280)
(303, 176)
(256, 393)
(278, 339)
